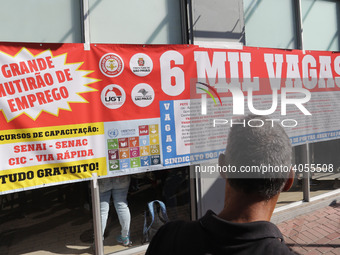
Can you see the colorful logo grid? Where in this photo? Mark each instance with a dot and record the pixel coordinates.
(136, 151)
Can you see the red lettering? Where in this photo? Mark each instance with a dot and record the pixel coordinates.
(57, 145)
(17, 161)
(6, 73)
(48, 96)
(31, 99)
(49, 62)
(12, 105)
(60, 76)
(56, 95)
(32, 65)
(23, 68)
(21, 104)
(71, 143)
(42, 64)
(68, 75)
(31, 83)
(16, 149)
(41, 98)
(15, 69)
(63, 92)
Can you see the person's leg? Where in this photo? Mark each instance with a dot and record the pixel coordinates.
(119, 194)
(104, 208)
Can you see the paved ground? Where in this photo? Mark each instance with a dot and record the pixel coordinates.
(317, 232)
(313, 233)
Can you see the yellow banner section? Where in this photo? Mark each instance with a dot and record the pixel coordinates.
(49, 133)
(52, 173)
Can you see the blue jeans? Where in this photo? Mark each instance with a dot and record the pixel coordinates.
(119, 191)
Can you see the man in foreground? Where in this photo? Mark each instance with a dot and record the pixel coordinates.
(243, 226)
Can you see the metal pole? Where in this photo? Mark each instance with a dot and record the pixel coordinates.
(190, 26)
(193, 192)
(97, 228)
(184, 21)
(306, 147)
(299, 23)
(85, 24)
(306, 174)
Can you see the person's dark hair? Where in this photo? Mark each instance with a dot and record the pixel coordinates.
(255, 148)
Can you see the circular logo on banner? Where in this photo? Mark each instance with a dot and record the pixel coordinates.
(141, 64)
(113, 96)
(113, 132)
(111, 65)
(142, 95)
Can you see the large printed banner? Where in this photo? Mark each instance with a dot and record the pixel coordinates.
(297, 90)
(67, 112)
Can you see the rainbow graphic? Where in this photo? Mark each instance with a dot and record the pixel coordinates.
(209, 93)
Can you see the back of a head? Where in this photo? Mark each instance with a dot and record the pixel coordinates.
(261, 154)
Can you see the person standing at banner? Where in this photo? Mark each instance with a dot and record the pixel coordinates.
(117, 188)
(243, 226)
